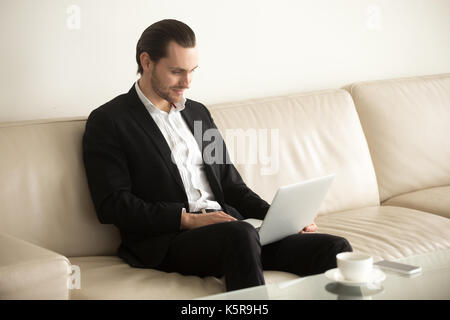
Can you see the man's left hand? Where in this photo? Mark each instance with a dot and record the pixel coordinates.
(310, 229)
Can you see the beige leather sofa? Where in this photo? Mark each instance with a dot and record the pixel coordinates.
(387, 141)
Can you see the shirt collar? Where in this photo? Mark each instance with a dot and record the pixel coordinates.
(151, 107)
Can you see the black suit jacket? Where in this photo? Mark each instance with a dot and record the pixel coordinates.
(136, 186)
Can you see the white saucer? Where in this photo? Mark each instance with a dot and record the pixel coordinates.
(375, 276)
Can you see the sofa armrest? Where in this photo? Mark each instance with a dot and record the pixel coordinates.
(28, 271)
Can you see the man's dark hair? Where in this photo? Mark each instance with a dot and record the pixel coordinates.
(155, 39)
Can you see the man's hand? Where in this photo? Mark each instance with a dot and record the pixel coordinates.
(193, 220)
(310, 229)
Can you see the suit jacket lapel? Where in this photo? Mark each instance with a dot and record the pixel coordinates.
(145, 120)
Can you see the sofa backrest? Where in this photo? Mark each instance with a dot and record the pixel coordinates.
(288, 139)
(407, 125)
(44, 197)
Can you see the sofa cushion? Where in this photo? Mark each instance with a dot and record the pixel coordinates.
(389, 232)
(44, 196)
(296, 137)
(109, 277)
(434, 200)
(407, 125)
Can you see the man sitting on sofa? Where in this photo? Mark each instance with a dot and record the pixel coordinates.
(175, 211)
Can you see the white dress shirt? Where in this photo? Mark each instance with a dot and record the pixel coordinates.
(185, 152)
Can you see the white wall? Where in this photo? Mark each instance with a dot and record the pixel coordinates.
(57, 62)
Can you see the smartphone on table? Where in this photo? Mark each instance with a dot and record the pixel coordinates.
(398, 267)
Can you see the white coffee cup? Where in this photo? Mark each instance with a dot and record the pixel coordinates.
(354, 266)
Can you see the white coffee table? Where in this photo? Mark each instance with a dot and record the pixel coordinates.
(432, 283)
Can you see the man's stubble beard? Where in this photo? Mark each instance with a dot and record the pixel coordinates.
(159, 90)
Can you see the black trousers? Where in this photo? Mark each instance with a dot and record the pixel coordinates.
(232, 249)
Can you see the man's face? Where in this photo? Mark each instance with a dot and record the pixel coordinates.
(171, 75)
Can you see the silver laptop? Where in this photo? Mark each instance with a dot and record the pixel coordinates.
(293, 208)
